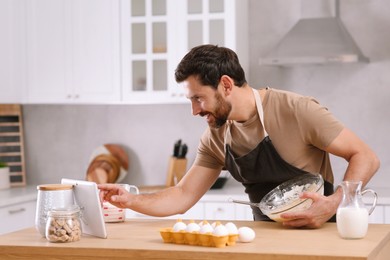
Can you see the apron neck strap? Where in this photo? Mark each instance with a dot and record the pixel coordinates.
(260, 112)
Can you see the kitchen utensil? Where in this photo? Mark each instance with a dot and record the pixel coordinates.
(112, 213)
(12, 143)
(286, 197)
(180, 149)
(51, 196)
(64, 225)
(352, 215)
(177, 168)
(176, 148)
(108, 164)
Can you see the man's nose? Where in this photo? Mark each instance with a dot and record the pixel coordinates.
(195, 109)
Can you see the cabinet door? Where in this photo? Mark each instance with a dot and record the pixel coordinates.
(219, 211)
(95, 51)
(206, 22)
(73, 51)
(196, 212)
(48, 49)
(17, 217)
(11, 51)
(219, 22)
(243, 212)
(149, 53)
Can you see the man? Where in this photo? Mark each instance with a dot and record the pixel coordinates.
(297, 138)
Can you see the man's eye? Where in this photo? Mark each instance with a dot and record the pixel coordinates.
(197, 99)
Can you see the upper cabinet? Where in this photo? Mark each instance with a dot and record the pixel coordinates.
(149, 51)
(109, 51)
(156, 34)
(220, 22)
(73, 51)
(12, 51)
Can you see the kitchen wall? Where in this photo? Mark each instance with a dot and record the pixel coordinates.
(358, 94)
(60, 138)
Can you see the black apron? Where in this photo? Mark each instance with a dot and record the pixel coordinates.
(262, 169)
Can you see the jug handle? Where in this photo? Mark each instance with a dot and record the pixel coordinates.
(375, 199)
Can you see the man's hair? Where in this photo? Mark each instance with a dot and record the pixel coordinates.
(208, 63)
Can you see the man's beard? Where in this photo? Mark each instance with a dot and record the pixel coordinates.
(221, 112)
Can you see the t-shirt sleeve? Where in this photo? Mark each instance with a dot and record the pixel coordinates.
(318, 126)
(209, 152)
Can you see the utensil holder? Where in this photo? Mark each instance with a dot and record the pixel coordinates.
(177, 168)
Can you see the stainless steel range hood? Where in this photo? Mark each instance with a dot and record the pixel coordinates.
(316, 41)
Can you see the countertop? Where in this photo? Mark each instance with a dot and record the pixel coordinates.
(235, 190)
(17, 195)
(140, 239)
(232, 189)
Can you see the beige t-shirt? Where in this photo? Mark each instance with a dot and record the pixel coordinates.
(298, 126)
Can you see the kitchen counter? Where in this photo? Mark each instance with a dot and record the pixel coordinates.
(17, 195)
(140, 239)
(231, 189)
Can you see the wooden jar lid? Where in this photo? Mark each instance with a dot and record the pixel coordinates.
(50, 187)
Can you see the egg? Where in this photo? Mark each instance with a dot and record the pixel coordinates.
(220, 230)
(206, 228)
(202, 223)
(232, 228)
(179, 226)
(214, 224)
(192, 227)
(246, 234)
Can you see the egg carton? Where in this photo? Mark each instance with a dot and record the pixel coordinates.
(197, 239)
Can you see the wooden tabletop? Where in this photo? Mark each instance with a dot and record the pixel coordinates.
(140, 239)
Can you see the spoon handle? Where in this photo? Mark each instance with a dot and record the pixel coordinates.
(244, 202)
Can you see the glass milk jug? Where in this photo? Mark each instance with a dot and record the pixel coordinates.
(352, 215)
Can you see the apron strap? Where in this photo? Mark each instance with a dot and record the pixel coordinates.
(260, 112)
(228, 136)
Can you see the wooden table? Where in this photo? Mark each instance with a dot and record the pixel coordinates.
(140, 239)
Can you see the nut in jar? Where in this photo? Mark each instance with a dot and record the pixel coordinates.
(63, 225)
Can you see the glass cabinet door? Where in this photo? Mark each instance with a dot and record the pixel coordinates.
(147, 55)
(156, 34)
(205, 22)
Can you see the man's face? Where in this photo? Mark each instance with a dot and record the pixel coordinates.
(207, 102)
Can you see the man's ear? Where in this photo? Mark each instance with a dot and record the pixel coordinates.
(227, 84)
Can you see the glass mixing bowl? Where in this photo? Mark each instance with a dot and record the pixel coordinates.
(285, 197)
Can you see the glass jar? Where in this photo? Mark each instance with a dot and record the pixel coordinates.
(51, 196)
(63, 225)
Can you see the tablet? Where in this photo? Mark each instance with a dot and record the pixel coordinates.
(86, 195)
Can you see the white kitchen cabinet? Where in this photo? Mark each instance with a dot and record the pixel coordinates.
(243, 212)
(196, 212)
(17, 216)
(156, 34)
(219, 211)
(73, 51)
(219, 22)
(12, 51)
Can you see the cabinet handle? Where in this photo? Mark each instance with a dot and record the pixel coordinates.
(69, 96)
(76, 96)
(15, 211)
